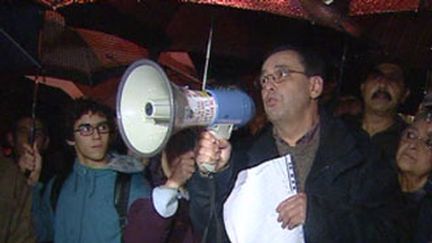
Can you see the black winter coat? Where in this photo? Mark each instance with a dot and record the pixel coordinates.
(352, 193)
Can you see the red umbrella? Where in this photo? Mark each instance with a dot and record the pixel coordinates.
(176, 26)
(178, 67)
(401, 27)
(83, 55)
(244, 29)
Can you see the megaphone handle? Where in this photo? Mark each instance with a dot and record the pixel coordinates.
(220, 131)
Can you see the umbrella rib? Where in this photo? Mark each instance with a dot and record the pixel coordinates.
(22, 50)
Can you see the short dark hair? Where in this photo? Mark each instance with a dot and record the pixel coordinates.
(82, 106)
(310, 58)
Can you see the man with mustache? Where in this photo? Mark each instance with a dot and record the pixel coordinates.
(346, 193)
(383, 91)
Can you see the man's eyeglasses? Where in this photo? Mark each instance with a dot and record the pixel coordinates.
(87, 129)
(411, 135)
(277, 76)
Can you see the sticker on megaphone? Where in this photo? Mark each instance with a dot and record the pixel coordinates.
(218, 106)
(233, 108)
(200, 109)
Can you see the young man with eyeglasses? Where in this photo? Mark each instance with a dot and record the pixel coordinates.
(89, 202)
(345, 192)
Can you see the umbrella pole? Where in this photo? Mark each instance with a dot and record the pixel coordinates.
(32, 134)
(209, 44)
(341, 67)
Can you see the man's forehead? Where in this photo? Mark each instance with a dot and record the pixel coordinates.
(391, 70)
(282, 58)
(91, 117)
(28, 122)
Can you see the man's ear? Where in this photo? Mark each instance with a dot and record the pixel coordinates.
(70, 142)
(316, 86)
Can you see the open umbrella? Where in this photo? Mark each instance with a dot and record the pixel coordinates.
(17, 100)
(177, 65)
(245, 30)
(84, 55)
(240, 37)
(398, 27)
(77, 54)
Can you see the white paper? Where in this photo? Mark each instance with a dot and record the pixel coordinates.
(250, 210)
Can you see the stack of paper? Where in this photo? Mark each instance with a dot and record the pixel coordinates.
(250, 210)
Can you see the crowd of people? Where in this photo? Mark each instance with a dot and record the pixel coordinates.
(360, 177)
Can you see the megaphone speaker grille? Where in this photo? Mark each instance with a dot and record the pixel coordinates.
(145, 91)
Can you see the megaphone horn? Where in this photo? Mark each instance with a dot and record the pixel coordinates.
(150, 108)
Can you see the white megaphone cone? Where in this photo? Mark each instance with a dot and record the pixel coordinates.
(150, 109)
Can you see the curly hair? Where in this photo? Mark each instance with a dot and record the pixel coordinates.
(83, 106)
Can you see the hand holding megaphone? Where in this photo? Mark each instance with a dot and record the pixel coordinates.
(212, 152)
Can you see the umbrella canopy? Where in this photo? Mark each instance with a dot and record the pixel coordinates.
(245, 30)
(177, 66)
(397, 27)
(240, 38)
(81, 55)
(17, 100)
(84, 55)
(380, 22)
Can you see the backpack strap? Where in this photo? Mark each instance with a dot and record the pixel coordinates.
(121, 198)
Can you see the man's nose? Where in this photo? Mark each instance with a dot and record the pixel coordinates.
(383, 81)
(270, 85)
(412, 143)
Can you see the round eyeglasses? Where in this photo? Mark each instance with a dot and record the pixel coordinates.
(87, 129)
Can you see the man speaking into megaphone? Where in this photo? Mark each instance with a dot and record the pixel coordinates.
(305, 178)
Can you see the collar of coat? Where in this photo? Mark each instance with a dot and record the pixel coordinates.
(339, 147)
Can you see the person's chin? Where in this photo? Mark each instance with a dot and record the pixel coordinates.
(99, 158)
(382, 106)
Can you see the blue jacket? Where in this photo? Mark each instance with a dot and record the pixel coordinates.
(85, 210)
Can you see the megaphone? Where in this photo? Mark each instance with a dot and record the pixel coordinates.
(150, 108)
